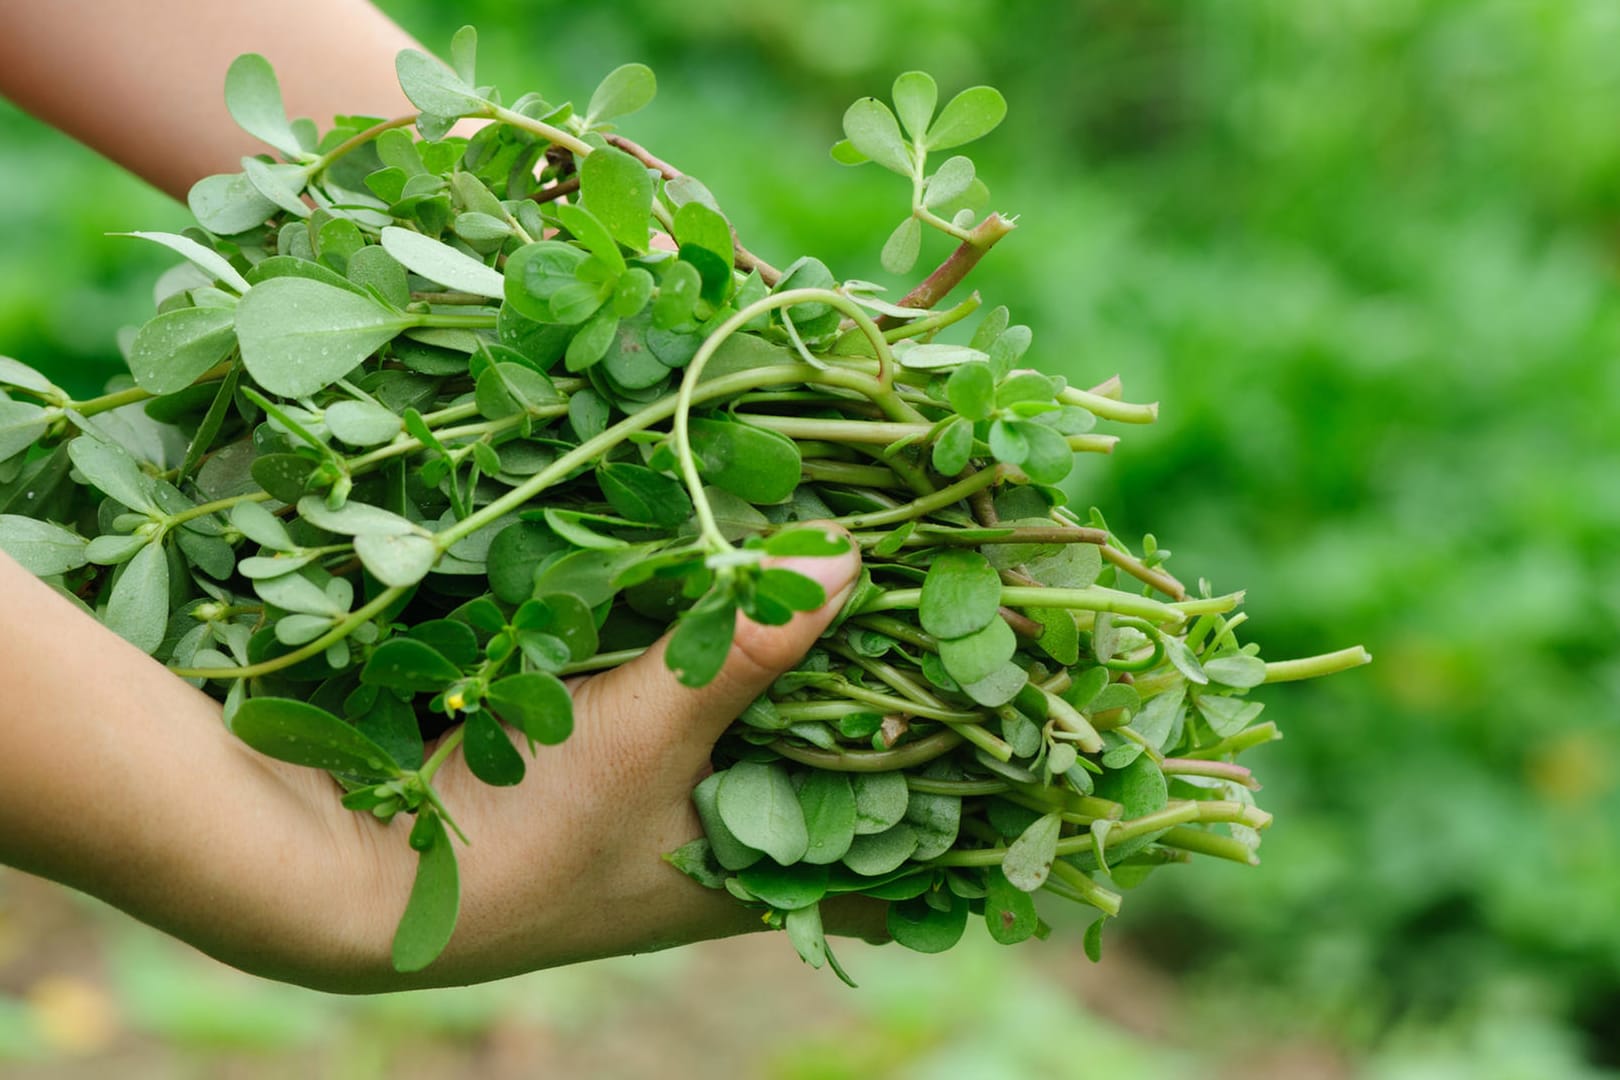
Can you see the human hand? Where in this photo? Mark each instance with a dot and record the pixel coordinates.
(136, 793)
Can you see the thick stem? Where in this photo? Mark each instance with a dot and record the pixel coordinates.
(920, 752)
(1092, 598)
(314, 648)
(950, 273)
(1311, 667)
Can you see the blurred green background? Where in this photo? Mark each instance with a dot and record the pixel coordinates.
(1364, 253)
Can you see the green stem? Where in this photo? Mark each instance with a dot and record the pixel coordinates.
(1104, 900)
(214, 507)
(314, 648)
(115, 400)
(685, 398)
(964, 788)
(934, 323)
(1258, 735)
(590, 449)
(1311, 667)
(1108, 408)
(927, 504)
(354, 142)
(901, 757)
(1207, 843)
(446, 747)
(551, 134)
(1091, 598)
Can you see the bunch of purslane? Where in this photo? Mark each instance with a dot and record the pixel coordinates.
(427, 421)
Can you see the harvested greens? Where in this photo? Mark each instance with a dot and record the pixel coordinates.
(427, 421)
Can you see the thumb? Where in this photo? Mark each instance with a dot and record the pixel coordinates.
(645, 702)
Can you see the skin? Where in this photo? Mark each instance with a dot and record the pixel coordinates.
(120, 780)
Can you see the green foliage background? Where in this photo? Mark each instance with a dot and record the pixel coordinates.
(1364, 254)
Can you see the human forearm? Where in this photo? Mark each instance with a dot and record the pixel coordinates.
(119, 779)
(145, 79)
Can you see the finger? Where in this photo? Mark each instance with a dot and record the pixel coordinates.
(644, 703)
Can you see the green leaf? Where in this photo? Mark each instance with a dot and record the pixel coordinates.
(299, 335)
(785, 888)
(410, 666)
(920, 926)
(280, 183)
(1228, 715)
(537, 272)
(937, 820)
(618, 189)
(1092, 942)
(515, 555)
(1009, 912)
(109, 467)
(507, 389)
(302, 734)
(752, 463)
(1008, 442)
(697, 225)
(807, 541)
(901, 248)
(396, 560)
(430, 913)
(935, 357)
(696, 860)
(642, 494)
(489, 751)
(953, 449)
(701, 642)
(1048, 458)
(434, 88)
(758, 804)
(590, 231)
(828, 802)
(254, 99)
(998, 687)
(1029, 858)
(362, 423)
(354, 518)
(228, 203)
(971, 390)
(442, 263)
(41, 548)
(950, 181)
(970, 115)
(873, 131)
(961, 594)
(915, 95)
(283, 476)
(171, 350)
(209, 261)
(881, 800)
(879, 853)
(791, 589)
(464, 54)
(592, 341)
(1138, 787)
(17, 373)
(1184, 660)
(1240, 671)
(844, 152)
(804, 930)
(730, 852)
(535, 703)
(21, 425)
(626, 89)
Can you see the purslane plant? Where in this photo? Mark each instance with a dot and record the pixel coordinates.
(426, 422)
